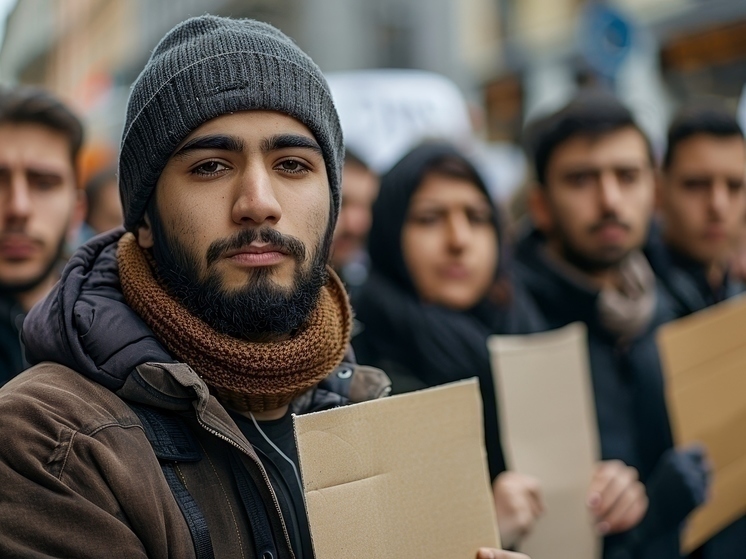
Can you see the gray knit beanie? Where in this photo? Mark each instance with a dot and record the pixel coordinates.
(209, 66)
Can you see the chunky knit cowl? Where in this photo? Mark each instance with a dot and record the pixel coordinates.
(244, 375)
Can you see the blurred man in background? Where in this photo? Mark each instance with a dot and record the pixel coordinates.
(41, 206)
(104, 205)
(359, 191)
(702, 200)
(583, 262)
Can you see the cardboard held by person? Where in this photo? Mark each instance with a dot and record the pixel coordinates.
(400, 477)
(549, 431)
(704, 358)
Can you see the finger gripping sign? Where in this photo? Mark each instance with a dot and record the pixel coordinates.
(399, 477)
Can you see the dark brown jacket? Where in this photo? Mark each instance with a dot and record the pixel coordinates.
(78, 476)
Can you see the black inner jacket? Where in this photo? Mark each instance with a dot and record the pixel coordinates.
(11, 357)
(418, 344)
(284, 478)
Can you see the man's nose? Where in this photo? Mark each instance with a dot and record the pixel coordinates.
(719, 198)
(256, 201)
(610, 191)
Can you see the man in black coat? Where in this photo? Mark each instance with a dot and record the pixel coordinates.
(583, 262)
(41, 206)
(701, 201)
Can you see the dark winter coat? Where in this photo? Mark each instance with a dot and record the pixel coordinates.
(631, 411)
(689, 290)
(80, 477)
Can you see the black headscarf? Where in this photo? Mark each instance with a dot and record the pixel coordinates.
(427, 343)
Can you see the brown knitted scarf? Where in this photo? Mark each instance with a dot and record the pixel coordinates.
(245, 376)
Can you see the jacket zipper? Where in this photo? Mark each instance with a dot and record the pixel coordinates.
(219, 435)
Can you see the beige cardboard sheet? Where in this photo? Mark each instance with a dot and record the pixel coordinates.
(549, 430)
(399, 478)
(704, 363)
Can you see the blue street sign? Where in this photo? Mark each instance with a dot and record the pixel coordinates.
(606, 38)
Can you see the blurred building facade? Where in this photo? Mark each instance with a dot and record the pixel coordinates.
(514, 57)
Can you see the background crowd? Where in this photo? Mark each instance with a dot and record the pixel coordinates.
(622, 211)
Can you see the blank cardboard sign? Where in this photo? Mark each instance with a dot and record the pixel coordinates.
(704, 363)
(549, 431)
(400, 477)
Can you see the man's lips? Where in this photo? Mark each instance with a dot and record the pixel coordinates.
(257, 255)
(18, 247)
(612, 232)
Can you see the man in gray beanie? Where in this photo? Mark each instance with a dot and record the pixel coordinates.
(156, 419)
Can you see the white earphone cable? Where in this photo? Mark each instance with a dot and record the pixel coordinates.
(281, 453)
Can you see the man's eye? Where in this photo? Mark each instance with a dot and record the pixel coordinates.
(209, 168)
(292, 166)
(44, 183)
(480, 218)
(580, 179)
(694, 185)
(628, 177)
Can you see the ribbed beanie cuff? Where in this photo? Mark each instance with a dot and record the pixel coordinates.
(210, 66)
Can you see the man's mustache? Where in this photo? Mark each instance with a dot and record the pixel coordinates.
(609, 220)
(286, 243)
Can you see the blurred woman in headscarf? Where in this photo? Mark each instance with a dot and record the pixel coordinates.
(438, 289)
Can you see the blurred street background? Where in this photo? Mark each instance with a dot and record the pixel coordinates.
(511, 59)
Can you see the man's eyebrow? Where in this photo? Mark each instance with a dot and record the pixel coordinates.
(581, 170)
(282, 141)
(215, 141)
(38, 172)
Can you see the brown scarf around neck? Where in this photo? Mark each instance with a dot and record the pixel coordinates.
(245, 376)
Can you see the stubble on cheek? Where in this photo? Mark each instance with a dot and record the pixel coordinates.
(183, 229)
(316, 224)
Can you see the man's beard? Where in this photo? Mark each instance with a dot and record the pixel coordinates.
(259, 310)
(50, 267)
(591, 263)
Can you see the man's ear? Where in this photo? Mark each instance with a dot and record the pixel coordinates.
(538, 208)
(145, 232)
(80, 208)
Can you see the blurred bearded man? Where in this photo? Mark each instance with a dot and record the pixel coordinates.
(157, 419)
(701, 205)
(41, 206)
(591, 206)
